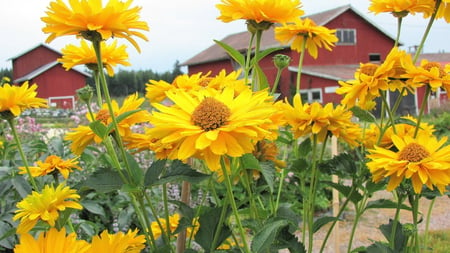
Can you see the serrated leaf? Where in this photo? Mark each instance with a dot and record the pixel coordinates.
(21, 185)
(268, 171)
(320, 222)
(400, 240)
(137, 174)
(209, 221)
(152, 174)
(179, 171)
(93, 207)
(99, 129)
(362, 114)
(386, 203)
(305, 147)
(345, 190)
(236, 55)
(265, 237)
(104, 181)
(249, 161)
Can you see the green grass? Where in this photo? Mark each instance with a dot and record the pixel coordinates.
(438, 241)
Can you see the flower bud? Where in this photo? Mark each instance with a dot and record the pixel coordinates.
(85, 94)
(281, 61)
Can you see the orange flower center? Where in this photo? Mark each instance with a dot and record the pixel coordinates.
(210, 114)
(368, 69)
(413, 152)
(437, 65)
(103, 116)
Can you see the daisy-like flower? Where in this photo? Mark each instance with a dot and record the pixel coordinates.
(401, 8)
(444, 10)
(208, 127)
(45, 206)
(429, 73)
(403, 129)
(16, 99)
(174, 221)
(117, 243)
(306, 31)
(52, 241)
(314, 119)
(424, 160)
(156, 90)
(52, 163)
(112, 55)
(82, 136)
(259, 11)
(90, 19)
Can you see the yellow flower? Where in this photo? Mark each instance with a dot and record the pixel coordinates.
(85, 55)
(82, 136)
(280, 11)
(52, 241)
(403, 129)
(117, 243)
(51, 164)
(401, 8)
(88, 18)
(444, 10)
(314, 119)
(156, 90)
(208, 127)
(306, 31)
(423, 160)
(174, 221)
(16, 99)
(429, 73)
(45, 206)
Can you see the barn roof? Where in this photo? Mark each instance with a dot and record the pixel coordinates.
(42, 69)
(239, 41)
(33, 48)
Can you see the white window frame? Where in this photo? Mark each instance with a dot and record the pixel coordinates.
(309, 93)
(340, 33)
(51, 99)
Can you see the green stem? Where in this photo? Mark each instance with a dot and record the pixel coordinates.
(280, 187)
(422, 109)
(390, 114)
(219, 227)
(247, 184)
(359, 210)
(155, 216)
(143, 220)
(415, 214)
(427, 223)
(312, 194)
(277, 80)
(400, 200)
(98, 88)
(427, 31)
(300, 66)
(256, 81)
(232, 201)
(166, 212)
(248, 58)
(22, 154)
(399, 28)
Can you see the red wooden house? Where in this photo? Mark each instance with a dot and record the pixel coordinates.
(38, 65)
(360, 41)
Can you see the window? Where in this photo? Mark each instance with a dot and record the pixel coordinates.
(346, 36)
(374, 57)
(311, 95)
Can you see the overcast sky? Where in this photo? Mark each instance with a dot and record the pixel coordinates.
(179, 29)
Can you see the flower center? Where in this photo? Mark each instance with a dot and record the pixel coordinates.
(103, 116)
(368, 69)
(437, 65)
(210, 114)
(413, 152)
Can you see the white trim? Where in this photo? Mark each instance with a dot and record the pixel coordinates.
(309, 93)
(331, 89)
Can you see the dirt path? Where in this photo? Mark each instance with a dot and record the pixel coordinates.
(367, 229)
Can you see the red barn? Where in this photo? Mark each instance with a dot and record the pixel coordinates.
(360, 41)
(38, 65)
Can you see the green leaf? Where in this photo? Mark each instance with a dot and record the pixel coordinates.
(209, 221)
(265, 237)
(400, 239)
(342, 165)
(137, 174)
(104, 181)
(362, 114)
(236, 55)
(386, 203)
(345, 190)
(121, 117)
(93, 207)
(305, 147)
(286, 239)
(268, 171)
(7, 233)
(263, 54)
(99, 129)
(323, 221)
(249, 161)
(261, 77)
(21, 185)
(152, 173)
(179, 171)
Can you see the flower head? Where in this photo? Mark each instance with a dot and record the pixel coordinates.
(52, 163)
(45, 206)
(280, 11)
(401, 8)
(423, 160)
(430, 73)
(117, 243)
(306, 31)
(15, 99)
(52, 241)
(82, 136)
(209, 126)
(85, 55)
(91, 19)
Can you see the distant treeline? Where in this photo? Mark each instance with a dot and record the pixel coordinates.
(125, 82)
